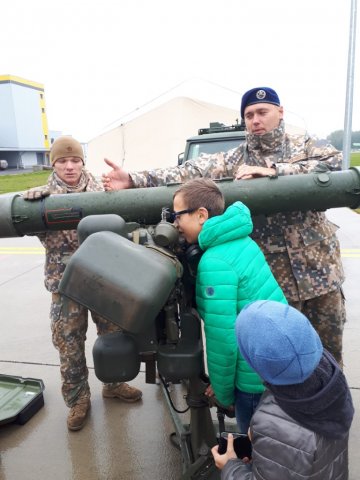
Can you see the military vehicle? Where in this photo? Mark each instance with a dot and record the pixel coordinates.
(215, 138)
(132, 268)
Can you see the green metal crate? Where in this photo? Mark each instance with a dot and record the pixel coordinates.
(20, 398)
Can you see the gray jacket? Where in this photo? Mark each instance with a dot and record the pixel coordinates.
(285, 450)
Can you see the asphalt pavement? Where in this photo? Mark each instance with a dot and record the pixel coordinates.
(120, 441)
(16, 171)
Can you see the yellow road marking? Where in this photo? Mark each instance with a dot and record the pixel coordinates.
(350, 252)
(22, 250)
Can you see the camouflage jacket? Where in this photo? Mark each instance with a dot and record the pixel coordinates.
(60, 245)
(301, 248)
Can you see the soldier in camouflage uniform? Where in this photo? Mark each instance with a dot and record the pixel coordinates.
(69, 320)
(301, 247)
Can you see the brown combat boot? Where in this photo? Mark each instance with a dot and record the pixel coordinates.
(122, 391)
(77, 415)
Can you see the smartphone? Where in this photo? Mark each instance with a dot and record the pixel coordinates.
(242, 444)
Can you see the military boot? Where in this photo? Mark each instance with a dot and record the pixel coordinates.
(78, 413)
(122, 391)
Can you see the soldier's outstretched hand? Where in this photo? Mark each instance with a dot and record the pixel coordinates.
(117, 178)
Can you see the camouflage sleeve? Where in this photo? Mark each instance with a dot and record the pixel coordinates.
(215, 166)
(318, 155)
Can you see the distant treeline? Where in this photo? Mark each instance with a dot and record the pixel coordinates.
(336, 139)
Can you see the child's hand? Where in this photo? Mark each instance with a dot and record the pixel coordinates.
(221, 460)
(209, 392)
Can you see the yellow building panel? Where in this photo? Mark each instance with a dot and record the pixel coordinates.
(21, 81)
(44, 121)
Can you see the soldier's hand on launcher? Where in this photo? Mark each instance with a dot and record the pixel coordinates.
(247, 172)
(36, 193)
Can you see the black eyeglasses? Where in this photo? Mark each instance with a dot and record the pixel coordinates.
(174, 215)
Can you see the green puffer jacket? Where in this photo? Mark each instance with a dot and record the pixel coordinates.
(232, 272)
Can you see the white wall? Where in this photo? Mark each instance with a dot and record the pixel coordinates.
(8, 131)
(155, 138)
(28, 159)
(20, 117)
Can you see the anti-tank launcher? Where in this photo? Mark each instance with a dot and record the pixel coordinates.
(313, 191)
(140, 280)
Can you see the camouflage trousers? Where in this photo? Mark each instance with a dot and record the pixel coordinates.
(69, 323)
(327, 315)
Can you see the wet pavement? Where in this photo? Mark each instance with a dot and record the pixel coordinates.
(119, 441)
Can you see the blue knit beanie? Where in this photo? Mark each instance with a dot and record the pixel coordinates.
(278, 342)
(258, 95)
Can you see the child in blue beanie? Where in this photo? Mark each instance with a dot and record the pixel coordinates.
(301, 426)
(232, 272)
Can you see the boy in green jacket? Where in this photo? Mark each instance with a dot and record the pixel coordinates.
(232, 273)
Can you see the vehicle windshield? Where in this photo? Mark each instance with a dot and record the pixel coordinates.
(224, 145)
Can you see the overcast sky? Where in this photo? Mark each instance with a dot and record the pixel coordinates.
(100, 60)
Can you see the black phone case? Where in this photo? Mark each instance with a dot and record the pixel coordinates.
(242, 446)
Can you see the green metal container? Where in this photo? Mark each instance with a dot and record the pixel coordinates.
(20, 398)
(126, 283)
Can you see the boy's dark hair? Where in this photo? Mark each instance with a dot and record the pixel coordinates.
(202, 192)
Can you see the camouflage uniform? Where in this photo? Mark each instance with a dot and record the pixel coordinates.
(301, 247)
(69, 320)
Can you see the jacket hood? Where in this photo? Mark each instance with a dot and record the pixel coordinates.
(234, 223)
(322, 403)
